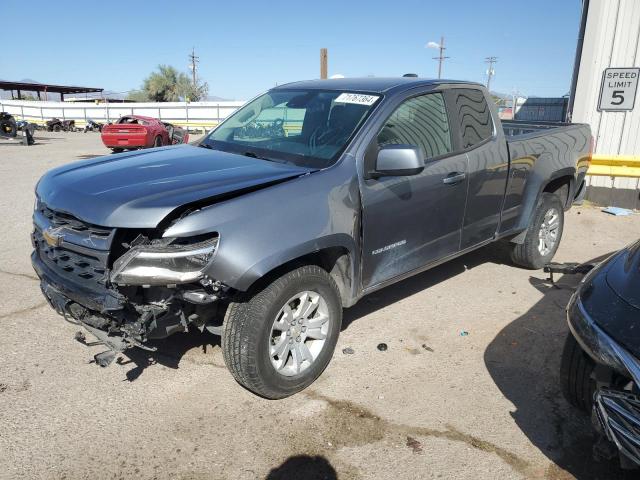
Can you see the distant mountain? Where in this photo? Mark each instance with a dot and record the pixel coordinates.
(24, 80)
(213, 98)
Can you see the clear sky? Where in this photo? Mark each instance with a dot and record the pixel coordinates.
(248, 46)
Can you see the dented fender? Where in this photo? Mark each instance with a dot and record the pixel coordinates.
(265, 229)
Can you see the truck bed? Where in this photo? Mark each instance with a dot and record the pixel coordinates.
(538, 152)
(517, 128)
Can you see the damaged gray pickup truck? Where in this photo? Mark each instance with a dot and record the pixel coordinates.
(299, 204)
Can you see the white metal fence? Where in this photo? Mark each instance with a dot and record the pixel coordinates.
(195, 115)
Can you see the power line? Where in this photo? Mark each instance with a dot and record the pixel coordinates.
(490, 71)
(194, 60)
(440, 57)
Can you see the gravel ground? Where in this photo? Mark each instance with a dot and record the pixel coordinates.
(435, 404)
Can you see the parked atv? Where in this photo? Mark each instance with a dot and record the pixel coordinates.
(24, 125)
(92, 126)
(8, 127)
(57, 125)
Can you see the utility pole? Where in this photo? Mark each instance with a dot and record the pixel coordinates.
(490, 71)
(194, 60)
(324, 58)
(440, 57)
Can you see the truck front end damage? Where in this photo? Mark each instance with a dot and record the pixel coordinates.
(124, 286)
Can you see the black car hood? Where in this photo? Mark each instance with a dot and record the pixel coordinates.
(623, 276)
(607, 294)
(139, 189)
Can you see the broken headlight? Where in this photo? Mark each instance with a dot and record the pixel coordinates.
(164, 264)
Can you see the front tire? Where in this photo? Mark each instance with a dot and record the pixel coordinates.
(8, 127)
(543, 235)
(279, 340)
(575, 374)
(157, 142)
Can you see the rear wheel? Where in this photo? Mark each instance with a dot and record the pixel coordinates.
(543, 235)
(575, 374)
(157, 142)
(116, 150)
(8, 127)
(279, 340)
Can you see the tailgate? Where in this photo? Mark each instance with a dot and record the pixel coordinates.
(124, 134)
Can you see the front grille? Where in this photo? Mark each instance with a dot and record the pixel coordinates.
(59, 219)
(619, 415)
(75, 266)
(81, 254)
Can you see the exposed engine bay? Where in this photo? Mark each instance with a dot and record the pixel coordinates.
(125, 287)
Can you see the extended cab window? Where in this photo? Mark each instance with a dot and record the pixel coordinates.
(474, 116)
(420, 121)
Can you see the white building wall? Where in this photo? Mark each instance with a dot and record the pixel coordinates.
(612, 40)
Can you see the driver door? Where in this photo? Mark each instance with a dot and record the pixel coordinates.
(412, 221)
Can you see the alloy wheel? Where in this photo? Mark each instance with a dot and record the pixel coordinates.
(299, 333)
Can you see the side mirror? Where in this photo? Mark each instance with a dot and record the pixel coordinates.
(399, 160)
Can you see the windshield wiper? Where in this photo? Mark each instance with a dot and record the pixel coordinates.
(255, 155)
(248, 153)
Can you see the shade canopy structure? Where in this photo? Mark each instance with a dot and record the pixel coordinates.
(20, 87)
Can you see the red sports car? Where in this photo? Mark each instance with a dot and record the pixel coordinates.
(136, 131)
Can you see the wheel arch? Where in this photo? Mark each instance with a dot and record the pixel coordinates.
(563, 186)
(562, 180)
(335, 258)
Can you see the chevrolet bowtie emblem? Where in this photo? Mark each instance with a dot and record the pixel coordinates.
(52, 236)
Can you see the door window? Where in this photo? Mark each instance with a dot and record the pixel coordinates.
(474, 116)
(419, 121)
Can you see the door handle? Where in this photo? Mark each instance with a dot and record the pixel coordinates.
(454, 178)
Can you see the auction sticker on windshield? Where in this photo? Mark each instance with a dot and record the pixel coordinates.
(356, 98)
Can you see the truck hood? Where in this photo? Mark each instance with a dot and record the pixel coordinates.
(139, 189)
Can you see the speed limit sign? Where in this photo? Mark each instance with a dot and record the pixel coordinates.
(618, 90)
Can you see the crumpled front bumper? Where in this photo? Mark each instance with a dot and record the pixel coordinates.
(61, 295)
(619, 416)
(120, 322)
(61, 291)
(617, 410)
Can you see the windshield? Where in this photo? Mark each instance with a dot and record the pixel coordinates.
(308, 128)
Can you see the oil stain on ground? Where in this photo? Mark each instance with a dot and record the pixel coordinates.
(345, 423)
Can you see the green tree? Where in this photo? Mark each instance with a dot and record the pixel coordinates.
(166, 84)
(498, 100)
(138, 96)
(190, 92)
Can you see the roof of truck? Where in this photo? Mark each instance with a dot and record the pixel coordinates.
(370, 84)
